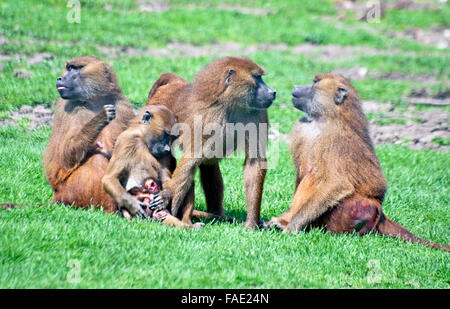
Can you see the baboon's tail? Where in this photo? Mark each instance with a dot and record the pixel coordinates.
(388, 227)
(207, 215)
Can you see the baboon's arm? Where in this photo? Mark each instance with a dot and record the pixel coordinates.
(181, 182)
(79, 142)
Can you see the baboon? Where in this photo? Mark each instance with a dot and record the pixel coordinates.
(228, 90)
(140, 163)
(339, 183)
(90, 114)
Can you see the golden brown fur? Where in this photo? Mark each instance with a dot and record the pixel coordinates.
(73, 163)
(340, 184)
(132, 162)
(221, 93)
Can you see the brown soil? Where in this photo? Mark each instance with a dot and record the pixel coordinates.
(358, 73)
(162, 6)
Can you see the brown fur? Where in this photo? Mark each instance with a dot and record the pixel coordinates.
(73, 163)
(217, 100)
(132, 162)
(340, 184)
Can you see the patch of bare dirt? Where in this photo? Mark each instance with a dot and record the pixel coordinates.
(420, 130)
(153, 6)
(31, 59)
(423, 97)
(20, 73)
(358, 73)
(333, 52)
(162, 6)
(363, 9)
(179, 50)
(244, 10)
(438, 37)
(37, 116)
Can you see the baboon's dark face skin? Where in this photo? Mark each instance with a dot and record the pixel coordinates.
(302, 97)
(70, 84)
(264, 95)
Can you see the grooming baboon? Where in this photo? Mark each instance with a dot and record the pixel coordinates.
(142, 154)
(90, 115)
(339, 184)
(228, 90)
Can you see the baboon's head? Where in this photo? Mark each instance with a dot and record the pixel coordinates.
(330, 96)
(155, 123)
(86, 78)
(235, 82)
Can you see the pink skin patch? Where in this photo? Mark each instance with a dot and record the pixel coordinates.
(100, 144)
(310, 168)
(151, 185)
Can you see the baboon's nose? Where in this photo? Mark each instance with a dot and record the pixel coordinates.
(272, 94)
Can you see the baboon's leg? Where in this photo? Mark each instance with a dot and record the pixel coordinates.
(212, 183)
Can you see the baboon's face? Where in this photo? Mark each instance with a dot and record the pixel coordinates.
(157, 127)
(324, 97)
(264, 95)
(85, 77)
(249, 87)
(71, 85)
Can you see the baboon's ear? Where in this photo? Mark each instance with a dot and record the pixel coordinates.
(340, 96)
(147, 117)
(230, 72)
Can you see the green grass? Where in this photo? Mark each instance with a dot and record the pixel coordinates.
(388, 121)
(37, 244)
(442, 141)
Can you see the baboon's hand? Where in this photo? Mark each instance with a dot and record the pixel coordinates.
(160, 215)
(110, 111)
(157, 204)
(134, 207)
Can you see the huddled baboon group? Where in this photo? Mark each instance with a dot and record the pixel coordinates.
(100, 153)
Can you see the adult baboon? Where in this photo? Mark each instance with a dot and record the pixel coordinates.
(229, 90)
(90, 115)
(339, 184)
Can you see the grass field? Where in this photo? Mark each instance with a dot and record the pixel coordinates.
(44, 247)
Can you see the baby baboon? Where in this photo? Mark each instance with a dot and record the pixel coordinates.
(90, 115)
(339, 184)
(228, 90)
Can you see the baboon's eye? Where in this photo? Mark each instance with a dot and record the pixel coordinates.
(230, 72)
(70, 67)
(340, 96)
(147, 117)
